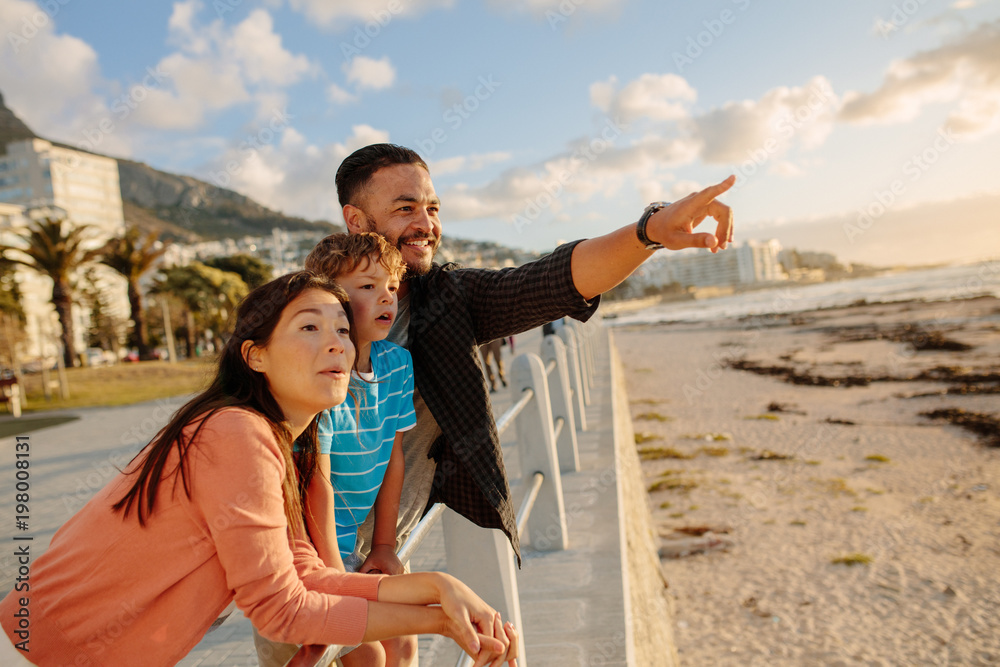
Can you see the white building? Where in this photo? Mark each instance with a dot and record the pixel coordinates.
(35, 289)
(741, 264)
(36, 173)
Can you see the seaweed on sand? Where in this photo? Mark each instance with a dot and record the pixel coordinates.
(918, 338)
(985, 426)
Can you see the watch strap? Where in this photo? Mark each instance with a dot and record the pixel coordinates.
(640, 228)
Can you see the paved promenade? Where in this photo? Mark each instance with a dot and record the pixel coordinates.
(572, 602)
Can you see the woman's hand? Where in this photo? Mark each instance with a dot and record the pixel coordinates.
(475, 626)
(504, 641)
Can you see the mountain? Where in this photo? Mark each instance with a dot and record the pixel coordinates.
(12, 128)
(181, 208)
(189, 209)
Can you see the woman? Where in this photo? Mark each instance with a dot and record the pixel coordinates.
(211, 510)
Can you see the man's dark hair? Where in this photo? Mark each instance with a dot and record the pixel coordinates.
(358, 168)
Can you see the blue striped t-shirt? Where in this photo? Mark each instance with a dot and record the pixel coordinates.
(359, 452)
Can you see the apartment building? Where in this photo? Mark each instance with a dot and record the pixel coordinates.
(742, 264)
(38, 177)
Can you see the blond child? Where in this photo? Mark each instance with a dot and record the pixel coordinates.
(361, 440)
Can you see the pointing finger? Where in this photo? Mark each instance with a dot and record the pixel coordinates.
(724, 215)
(713, 191)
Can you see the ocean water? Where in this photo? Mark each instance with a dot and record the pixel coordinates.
(938, 284)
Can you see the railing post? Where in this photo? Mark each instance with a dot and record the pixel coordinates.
(589, 332)
(537, 451)
(553, 349)
(585, 368)
(576, 382)
(482, 559)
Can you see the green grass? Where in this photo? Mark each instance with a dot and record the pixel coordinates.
(716, 437)
(714, 451)
(878, 458)
(654, 416)
(647, 401)
(121, 384)
(851, 560)
(836, 486)
(772, 418)
(657, 453)
(681, 485)
(641, 438)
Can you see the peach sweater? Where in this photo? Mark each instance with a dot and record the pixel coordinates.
(108, 592)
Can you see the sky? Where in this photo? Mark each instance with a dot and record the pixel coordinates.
(548, 120)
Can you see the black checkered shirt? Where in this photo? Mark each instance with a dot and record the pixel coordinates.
(453, 310)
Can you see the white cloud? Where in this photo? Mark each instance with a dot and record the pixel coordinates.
(293, 175)
(682, 189)
(338, 95)
(657, 97)
(785, 168)
(555, 12)
(369, 73)
(976, 116)
(380, 12)
(966, 70)
(216, 67)
(49, 78)
(781, 117)
(258, 49)
(595, 166)
(467, 163)
(182, 31)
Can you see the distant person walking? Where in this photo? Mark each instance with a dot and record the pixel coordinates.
(491, 352)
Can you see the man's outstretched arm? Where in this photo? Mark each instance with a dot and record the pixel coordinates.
(600, 263)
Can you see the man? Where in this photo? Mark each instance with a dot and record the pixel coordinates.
(453, 455)
(493, 356)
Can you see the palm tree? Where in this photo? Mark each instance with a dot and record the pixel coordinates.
(209, 295)
(132, 255)
(54, 248)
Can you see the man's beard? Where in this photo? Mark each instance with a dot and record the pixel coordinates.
(421, 269)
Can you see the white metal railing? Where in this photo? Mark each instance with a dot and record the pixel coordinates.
(561, 380)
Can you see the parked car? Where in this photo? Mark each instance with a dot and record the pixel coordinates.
(95, 356)
(36, 365)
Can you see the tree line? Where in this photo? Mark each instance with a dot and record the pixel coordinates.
(203, 293)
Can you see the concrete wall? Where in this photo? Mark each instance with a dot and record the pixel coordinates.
(651, 606)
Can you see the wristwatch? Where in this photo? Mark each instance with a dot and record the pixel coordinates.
(640, 229)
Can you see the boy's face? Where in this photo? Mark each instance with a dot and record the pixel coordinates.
(373, 299)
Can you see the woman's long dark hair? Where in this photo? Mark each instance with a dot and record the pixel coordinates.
(236, 385)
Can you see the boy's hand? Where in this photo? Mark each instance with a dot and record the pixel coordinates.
(382, 560)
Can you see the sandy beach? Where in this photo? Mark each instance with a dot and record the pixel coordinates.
(808, 514)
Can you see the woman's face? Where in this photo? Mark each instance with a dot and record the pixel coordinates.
(308, 360)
